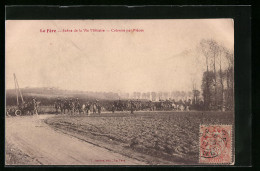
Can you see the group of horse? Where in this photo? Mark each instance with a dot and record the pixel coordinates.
(76, 107)
(162, 105)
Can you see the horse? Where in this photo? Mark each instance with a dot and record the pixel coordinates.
(72, 108)
(57, 106)
(99, 109)
(118, 105)
(83, 108)
(151, 106)
(78, 107)
(181, 107)
(65, 106)
(158, 105)
(29, 108)
(87, 108)
(174, 106)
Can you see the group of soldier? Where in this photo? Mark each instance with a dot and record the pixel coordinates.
(73, 106)
(29, 107)
(76, 106)
(122, 106)
(137, 105)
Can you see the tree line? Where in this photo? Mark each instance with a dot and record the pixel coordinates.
(218, 78)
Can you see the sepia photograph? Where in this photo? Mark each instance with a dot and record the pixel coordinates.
(119, 92)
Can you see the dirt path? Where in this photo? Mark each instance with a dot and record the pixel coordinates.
(48, 147)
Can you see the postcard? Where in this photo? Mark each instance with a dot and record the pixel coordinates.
(120, 92)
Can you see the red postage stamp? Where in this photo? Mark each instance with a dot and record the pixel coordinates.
(215, 144)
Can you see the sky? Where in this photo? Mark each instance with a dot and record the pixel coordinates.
(163, 57)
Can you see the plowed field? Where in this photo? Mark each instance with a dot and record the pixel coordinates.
(165, 137)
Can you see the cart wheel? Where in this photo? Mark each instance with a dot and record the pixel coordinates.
(18, 113)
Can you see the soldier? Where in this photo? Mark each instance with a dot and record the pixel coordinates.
(65, 105)
(61, 105)
(35, 106)
(150, 105)
(94, 107)
(132, 107)
(99, 108)
(115, 105)
(113, 108)
(88, 107)
(57, 104)
(72, 106)
(77, 100)
(77, 105)
(119, 105)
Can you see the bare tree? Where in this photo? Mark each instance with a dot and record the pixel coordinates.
(211, 50)
(216, 56)
(194, 92)
(204, 47)
(230, 78)
(165, 95)
(138, 94)
(215, 51)
(153, 94)
(143, 95)
(148, 95)
(222, 51)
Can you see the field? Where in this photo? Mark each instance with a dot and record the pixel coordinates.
(153, 137)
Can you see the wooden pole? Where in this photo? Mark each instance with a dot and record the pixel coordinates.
(19, 89)
(16, 90)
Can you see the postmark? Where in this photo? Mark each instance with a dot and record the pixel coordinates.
(215, 144)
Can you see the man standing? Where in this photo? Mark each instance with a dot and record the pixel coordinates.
(113, 108)
(72, 106)
(77, 105)
(88, 108)
(132, 107)
(57, 105)
(65, 105)
(35, 106)
(99, 108)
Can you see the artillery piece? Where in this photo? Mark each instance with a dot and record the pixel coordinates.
(21, 108)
